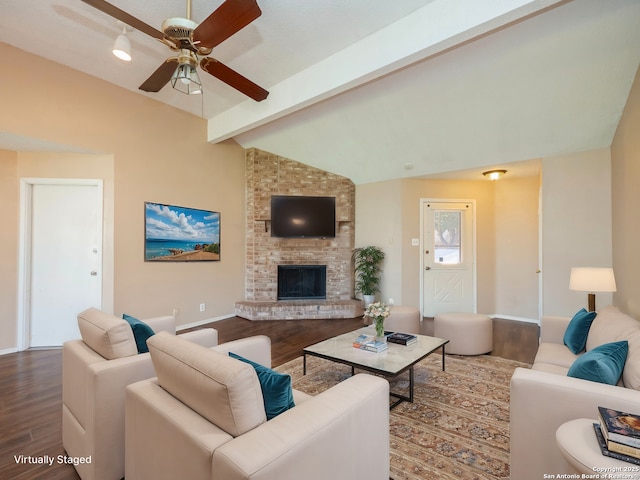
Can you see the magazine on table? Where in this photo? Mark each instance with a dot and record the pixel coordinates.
(369, 343)
(602, 443)
(401, 338)
(620, 427)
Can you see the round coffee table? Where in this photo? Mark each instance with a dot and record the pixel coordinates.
(579, 446)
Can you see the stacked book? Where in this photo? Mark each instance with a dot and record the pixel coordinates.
(618, 434)
(369, 343)
(401, 338)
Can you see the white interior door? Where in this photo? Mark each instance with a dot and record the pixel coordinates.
(64, 266)
(448, 257)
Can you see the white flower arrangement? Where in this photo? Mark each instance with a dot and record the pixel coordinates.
(377, 310)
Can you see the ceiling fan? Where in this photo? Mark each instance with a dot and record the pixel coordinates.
(193, 43)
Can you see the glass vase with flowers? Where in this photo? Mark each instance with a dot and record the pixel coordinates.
(377, 312)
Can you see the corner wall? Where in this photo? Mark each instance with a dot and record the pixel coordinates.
(625, 178)
(576, 228)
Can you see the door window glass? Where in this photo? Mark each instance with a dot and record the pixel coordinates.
(447, 237)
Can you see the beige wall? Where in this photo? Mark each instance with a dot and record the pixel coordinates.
(157, 153)
(8, 247)
(379, 223)
(388, 215)
(625, 171)
(576, 225)
(516, 246)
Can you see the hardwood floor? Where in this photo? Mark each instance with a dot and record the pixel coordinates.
(513, 340)
(31, 383)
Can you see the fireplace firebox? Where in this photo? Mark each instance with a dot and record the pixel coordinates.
(302, 282)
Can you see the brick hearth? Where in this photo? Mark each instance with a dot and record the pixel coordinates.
(297, 309)
(268, 174)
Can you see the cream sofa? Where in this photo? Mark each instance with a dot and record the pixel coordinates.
(95, 372)
(203, 417)
(544, 397)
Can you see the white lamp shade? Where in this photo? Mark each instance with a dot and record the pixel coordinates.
(589, 279)
(122, 48)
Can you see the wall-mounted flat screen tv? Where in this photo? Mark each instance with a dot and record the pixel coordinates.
(303, 217)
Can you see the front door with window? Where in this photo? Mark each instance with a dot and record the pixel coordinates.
(448, 257)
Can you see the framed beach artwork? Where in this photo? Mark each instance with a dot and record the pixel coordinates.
(180, 234)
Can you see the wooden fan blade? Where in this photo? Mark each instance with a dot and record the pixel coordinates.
(161, 76)
(227, 19)
(123, 16)
(233, 79)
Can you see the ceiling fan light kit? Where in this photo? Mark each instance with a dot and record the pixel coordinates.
(192, 41)
(185, 78)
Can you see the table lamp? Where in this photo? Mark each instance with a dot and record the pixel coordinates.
(592, 280)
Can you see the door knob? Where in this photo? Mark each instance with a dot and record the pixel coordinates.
(427, 268)
(94, 273)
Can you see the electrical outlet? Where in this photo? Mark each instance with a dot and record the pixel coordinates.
(176, 312)
(203, 307)
(415, 242)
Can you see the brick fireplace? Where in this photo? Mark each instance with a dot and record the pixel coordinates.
(268, 174)
(302, 282)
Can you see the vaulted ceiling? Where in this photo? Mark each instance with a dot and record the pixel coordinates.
(375, 90)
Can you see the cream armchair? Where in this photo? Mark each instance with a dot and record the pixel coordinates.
(203, 417)
(95, 372)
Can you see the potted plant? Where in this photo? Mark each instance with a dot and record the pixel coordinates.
(367, 262)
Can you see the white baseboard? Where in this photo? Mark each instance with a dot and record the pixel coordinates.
(199, 323)
(6, 351)
(517, 319)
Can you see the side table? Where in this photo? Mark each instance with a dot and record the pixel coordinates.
(579, 446)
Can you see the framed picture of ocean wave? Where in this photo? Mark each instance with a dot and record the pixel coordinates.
(180, 234)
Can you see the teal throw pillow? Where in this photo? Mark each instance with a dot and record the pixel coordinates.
(276, 388)
(575, 337)
(141, 332)
(603, 364)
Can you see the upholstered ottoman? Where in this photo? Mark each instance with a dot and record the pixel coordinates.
(403, 319)
(468, 333)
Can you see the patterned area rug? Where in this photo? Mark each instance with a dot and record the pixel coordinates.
(458, 425)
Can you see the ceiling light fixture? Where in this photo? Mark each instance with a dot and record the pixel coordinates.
(185, 79)
(494, 174)
(122, 46)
